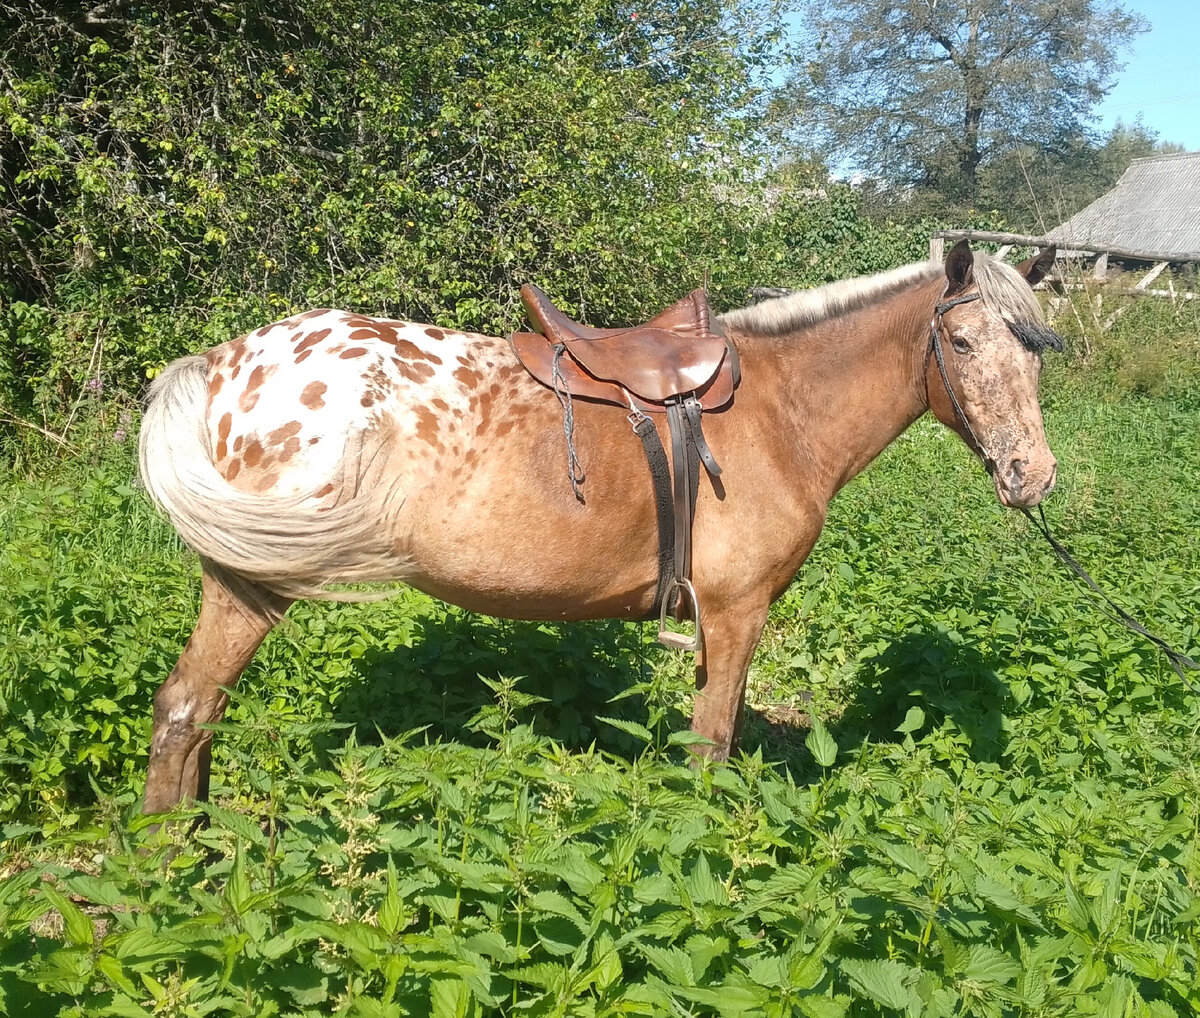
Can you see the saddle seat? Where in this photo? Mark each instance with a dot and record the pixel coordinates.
(675, 353)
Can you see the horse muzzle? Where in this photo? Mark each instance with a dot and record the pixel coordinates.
(1022, 484)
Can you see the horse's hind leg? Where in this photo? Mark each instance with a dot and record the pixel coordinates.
(234, 618)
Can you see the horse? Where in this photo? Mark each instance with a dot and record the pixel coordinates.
(334, 449)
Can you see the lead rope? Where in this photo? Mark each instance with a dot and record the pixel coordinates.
(1178, 660)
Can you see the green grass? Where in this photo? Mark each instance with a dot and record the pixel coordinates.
(995, 810)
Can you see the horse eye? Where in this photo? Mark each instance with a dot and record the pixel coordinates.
(960, 345)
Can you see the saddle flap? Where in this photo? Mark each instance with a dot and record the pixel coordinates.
(653, 363)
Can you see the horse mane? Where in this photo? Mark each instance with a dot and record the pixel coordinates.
(1001, 286)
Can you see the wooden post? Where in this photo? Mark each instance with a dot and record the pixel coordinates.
(1150, 276)
(937, 249)
(1100, 270)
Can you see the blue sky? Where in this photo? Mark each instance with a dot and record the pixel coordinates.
(1161, 80)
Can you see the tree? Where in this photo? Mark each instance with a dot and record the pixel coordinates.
(1040, 187)
(927, 92)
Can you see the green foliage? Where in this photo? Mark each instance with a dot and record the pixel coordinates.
(1142, 346)
(993, 812)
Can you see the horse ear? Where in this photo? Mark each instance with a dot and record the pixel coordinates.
(1034, 269)
(960, 264)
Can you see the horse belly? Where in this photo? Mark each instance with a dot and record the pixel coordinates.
(502, 532)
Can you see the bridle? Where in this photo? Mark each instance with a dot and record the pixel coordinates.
(935, 348)
(1178, 660)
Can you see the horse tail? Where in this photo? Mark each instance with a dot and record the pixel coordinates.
(287, 544)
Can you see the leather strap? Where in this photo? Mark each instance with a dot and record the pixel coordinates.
(693, 410)
(681, 461)
(660, 475)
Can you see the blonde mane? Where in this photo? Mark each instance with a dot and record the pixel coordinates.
(1002, 287)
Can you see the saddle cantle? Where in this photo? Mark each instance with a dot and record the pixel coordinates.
(675, 353)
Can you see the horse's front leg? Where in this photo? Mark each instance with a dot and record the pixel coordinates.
(731, 633)
(233, 621)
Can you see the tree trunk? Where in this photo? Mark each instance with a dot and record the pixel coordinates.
(969, 154)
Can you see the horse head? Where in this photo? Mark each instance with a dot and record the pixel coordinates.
(983, 365)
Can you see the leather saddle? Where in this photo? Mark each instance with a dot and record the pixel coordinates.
(674, 364)
(677, 352)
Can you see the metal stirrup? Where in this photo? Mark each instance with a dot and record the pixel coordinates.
(670, 638)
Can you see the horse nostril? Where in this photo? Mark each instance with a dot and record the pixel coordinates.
(1015, 474)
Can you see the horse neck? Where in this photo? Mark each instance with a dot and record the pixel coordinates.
(851, 384)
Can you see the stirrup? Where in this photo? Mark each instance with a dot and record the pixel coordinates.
(670, 638)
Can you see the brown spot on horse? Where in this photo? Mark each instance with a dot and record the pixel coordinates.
(434, 333)
(281, 435)
(469, 377)
(311, 396)
(290, 448)
(311, 340)
(248, 399)
(419, 372)
(223, 426)
(354, 351)
(254, 453)
(237, 350)
(427, 427)
(410, 351)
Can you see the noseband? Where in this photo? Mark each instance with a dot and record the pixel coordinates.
(935, 347)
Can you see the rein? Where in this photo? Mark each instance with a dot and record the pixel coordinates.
(1179, 661)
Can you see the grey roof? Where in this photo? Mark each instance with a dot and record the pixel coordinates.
(1155, 208)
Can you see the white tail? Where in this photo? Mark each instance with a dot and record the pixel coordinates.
(286, 544)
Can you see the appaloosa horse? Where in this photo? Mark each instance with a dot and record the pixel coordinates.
(333, 448)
